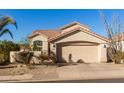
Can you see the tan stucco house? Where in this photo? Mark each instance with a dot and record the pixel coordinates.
(71, 42)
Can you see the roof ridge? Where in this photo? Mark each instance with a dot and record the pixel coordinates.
(45, 30)
(73, 23)
(47, 33)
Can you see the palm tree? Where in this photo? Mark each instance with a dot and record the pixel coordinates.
(4, 21)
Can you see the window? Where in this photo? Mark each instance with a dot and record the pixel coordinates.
(37, 45)
(54, 46)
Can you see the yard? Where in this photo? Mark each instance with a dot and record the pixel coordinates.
(70, 72)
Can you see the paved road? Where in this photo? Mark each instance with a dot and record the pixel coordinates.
(112, 80)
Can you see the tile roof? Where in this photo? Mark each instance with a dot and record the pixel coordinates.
(119, 37)
(48, 33)
(74, 23)
(81, 29)
(53, 34)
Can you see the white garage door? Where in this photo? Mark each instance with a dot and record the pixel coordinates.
(87, 53)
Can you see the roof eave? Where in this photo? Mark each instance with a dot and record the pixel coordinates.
(91, 33)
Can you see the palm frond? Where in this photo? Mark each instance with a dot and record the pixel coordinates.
(5, 31)
(7, 20)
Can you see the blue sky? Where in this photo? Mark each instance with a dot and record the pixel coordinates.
(30, 20)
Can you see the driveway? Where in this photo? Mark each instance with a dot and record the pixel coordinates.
(91, 71)
(94, 72)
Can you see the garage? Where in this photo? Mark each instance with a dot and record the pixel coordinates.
(73, 52)
(77, 42)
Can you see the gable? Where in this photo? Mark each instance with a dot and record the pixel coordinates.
(72, 26)
(79, 36)
(38, 37)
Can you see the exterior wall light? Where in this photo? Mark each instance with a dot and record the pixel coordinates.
(104, 46)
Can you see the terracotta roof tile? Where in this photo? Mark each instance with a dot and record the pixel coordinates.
(74, 23)
(84, 30)
(53, 34)
(119, 37)
(48, 33)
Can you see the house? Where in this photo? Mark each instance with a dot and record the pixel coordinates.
(118, 40)
(72, 42)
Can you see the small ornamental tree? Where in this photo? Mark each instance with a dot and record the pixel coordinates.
(5, 48)
(25, 43)
(115, 34)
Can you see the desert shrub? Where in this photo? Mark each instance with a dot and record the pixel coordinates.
(53, 57)
(24, 57)
(5, 48)
(80, 61)
(25, 47)
(117, 57)
(44, 57)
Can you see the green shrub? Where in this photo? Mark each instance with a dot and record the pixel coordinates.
(5, 48)
(1, 58)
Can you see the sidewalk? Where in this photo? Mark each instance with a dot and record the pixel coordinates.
(17, 77)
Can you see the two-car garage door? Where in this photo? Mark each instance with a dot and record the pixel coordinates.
(88, 53)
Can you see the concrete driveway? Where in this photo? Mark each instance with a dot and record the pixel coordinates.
(91, 71)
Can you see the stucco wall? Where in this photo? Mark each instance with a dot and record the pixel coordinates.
(53, 47)
(80, 36)
(84, 37)
(42, 38)
(73, 27)
(102, 53)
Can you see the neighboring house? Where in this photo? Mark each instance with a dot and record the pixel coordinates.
(72, 42)
(118, 40)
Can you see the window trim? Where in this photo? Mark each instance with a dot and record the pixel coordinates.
(39, 46)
